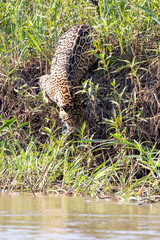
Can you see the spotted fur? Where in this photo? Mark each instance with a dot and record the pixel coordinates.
(71, 61)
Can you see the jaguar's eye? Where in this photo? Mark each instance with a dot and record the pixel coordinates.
(64, 128)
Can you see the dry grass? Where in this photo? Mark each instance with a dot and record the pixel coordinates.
(119, 146)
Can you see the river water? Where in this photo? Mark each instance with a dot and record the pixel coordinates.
(65, 218)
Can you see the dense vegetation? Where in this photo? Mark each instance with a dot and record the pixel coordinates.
(117, 149)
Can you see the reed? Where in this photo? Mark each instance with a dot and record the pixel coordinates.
(34, 155)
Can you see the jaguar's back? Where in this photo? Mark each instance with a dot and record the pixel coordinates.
(71, 61)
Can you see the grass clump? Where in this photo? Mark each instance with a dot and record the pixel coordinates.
(117, 150)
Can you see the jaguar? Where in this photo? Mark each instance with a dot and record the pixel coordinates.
(72, 59)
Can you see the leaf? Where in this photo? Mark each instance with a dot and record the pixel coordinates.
(47, 130)
(34, 41)
(156, 20)
(145, 10)
(8, 123)
(150, 13)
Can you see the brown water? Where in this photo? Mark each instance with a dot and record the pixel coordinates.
(62, 217)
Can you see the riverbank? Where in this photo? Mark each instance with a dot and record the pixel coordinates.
(117, 149)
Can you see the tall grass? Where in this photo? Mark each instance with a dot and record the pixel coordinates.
(126, 37)
(31, 29)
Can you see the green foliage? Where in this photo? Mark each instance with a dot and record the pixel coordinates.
(30, 29)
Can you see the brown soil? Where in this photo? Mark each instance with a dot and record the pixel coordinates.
(20, 96)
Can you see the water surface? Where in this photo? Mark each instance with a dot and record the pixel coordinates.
(62, 217)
